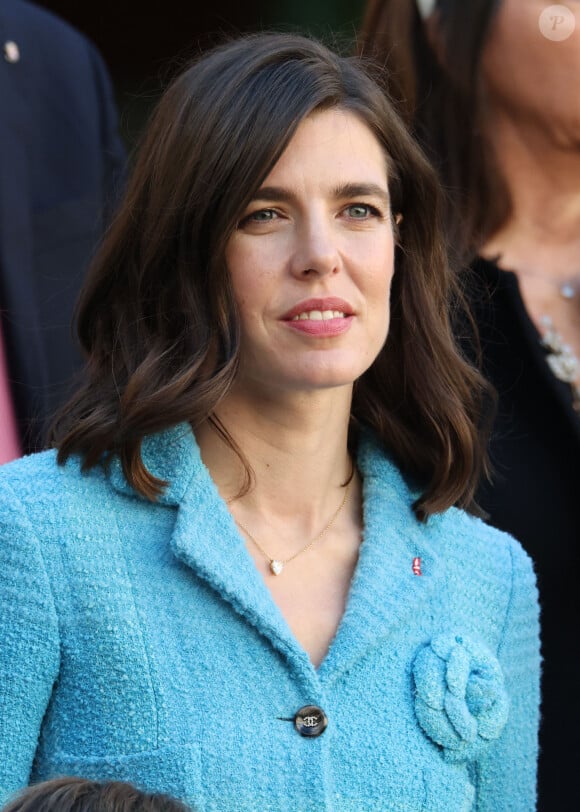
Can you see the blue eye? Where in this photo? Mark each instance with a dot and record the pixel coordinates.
(258, 217)
(262, 216)
(361, 211)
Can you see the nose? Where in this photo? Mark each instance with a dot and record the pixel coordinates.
(316, 251)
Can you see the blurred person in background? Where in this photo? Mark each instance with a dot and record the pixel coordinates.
(490, 89)
(61, 158)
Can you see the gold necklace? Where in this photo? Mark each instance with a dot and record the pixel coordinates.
(276, 565)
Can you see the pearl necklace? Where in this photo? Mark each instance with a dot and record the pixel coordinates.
(561, 359)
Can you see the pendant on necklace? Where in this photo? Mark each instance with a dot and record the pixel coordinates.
(276, 567)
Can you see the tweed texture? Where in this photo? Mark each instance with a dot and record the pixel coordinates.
(138, 642)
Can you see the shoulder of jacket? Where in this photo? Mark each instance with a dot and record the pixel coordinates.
(31, 21)
(38, 478)
(477, 546)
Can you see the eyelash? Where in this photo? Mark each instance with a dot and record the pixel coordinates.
(252, 217)
(372, 211)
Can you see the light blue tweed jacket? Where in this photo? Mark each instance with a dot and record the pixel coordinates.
(138, 642)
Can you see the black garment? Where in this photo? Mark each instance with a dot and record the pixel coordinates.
(60, 159)
(536, 496)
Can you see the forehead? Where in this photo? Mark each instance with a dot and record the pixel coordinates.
(330, 145)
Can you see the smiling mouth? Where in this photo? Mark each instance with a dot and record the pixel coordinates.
(318, 315)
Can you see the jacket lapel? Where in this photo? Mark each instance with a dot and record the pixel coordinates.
(206, 539)
(386, 590)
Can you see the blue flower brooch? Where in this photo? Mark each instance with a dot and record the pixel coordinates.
(460, 699)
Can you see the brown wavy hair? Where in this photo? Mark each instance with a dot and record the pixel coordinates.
(71, 794)
(438, 90)
(157, 319)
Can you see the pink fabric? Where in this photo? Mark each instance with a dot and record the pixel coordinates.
(9, 442)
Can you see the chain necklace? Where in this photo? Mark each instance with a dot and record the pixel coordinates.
(276, 565)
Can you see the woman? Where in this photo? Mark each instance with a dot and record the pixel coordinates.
(196, 612)
(493, 99)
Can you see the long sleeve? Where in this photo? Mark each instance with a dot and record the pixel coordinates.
(506, 775)
(29, 644)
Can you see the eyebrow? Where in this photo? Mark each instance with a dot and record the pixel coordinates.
(271, 194)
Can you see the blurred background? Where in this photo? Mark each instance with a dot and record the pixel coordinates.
(144, 47)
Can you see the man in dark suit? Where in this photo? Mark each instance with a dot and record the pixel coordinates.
(61, 160)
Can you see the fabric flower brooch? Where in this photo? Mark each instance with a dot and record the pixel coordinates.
(460, 698)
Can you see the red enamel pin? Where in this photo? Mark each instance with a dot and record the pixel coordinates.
(417, 566)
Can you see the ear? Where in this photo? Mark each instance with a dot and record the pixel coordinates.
(397, 220)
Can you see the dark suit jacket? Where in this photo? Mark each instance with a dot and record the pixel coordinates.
(60, 160)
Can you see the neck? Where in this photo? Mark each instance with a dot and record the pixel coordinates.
(297, 450)
(542, 175)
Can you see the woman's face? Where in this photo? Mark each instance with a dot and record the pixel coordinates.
(311, 260)
(529, 76)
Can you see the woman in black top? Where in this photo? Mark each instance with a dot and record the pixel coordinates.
(491, 91)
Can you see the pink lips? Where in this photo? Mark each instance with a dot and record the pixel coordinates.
(320, 327)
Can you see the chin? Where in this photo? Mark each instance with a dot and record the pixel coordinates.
(329, 379)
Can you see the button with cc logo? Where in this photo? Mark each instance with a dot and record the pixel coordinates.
(310, 721)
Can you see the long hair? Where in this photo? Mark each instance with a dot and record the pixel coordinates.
(438, 87)
(157, 318)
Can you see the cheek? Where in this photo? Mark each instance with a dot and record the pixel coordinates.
(252, 291)
(382, 267)
(251, 269)
(378, 296)
(375, 258)
(245, 283)
(383, 294)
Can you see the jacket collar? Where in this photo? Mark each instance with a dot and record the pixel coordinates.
(205, 536)
(385, 591)
(172, 456)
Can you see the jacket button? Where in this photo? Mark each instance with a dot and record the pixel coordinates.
(310, 721)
